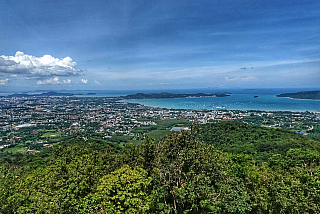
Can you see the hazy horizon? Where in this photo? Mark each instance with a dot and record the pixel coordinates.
(170, 90)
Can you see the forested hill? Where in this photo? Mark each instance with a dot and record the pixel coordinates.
(45, 94)
(310, 95)
(165, 95)
(260, 143)
(185, 172)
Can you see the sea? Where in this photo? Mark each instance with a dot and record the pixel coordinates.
(239, 99)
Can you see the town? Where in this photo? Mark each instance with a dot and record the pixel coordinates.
(29, 124)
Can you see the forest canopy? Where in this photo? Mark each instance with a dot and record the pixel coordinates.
(213, 168)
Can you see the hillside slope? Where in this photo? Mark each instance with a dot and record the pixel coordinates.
(179, 174)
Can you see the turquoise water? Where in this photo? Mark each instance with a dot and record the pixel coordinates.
(241, 100)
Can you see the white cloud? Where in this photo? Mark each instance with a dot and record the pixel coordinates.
(249, 78)
(3, 82)
(97, 82)
(68, 81)
(84, 81)
(231, 79)
(47, 65)
(52, 81)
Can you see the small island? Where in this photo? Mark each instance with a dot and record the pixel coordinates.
(165, 95)
(305, 95)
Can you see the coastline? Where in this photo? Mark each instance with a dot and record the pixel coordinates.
(237, 100)
(304, 95)
(208, 109)
(299, 98)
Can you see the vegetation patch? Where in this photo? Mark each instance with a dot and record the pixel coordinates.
(51, 135)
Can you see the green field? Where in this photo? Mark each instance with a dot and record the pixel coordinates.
(158, 134)
(16, 149)
(171, 123)
(155, 132)
(51, 135)
(162, 128)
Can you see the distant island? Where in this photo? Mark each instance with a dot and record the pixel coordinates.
(45, 94)
(305, 95)
(48, 94)
(165, 95)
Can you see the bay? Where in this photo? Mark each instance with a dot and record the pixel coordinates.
(240, 99)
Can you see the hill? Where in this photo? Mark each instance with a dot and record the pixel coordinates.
(178, 174)
(44, 94)
(310, 95)
(165, 95)
(260, 143)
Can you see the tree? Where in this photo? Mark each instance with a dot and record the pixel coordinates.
(125, 190)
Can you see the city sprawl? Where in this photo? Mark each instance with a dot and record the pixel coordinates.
(29, 124)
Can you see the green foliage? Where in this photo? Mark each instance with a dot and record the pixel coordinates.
(194, 177)
(126, 189)
(259, 171)
(59, 186)
(315, 133)
(9, 175)
(260, 143)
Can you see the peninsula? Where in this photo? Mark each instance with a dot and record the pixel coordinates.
(165, 95)
(305, 95)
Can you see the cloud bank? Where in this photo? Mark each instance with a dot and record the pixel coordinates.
(68, 81)
(53, 81)
(40, 67)
(97, 82)
(248, 78)
(3, 82)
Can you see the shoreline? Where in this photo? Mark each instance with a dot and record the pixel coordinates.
(226, 109)
(299, 98)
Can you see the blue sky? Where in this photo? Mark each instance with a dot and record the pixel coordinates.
(159, 44)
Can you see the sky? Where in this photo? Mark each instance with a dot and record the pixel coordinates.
(174, 44)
